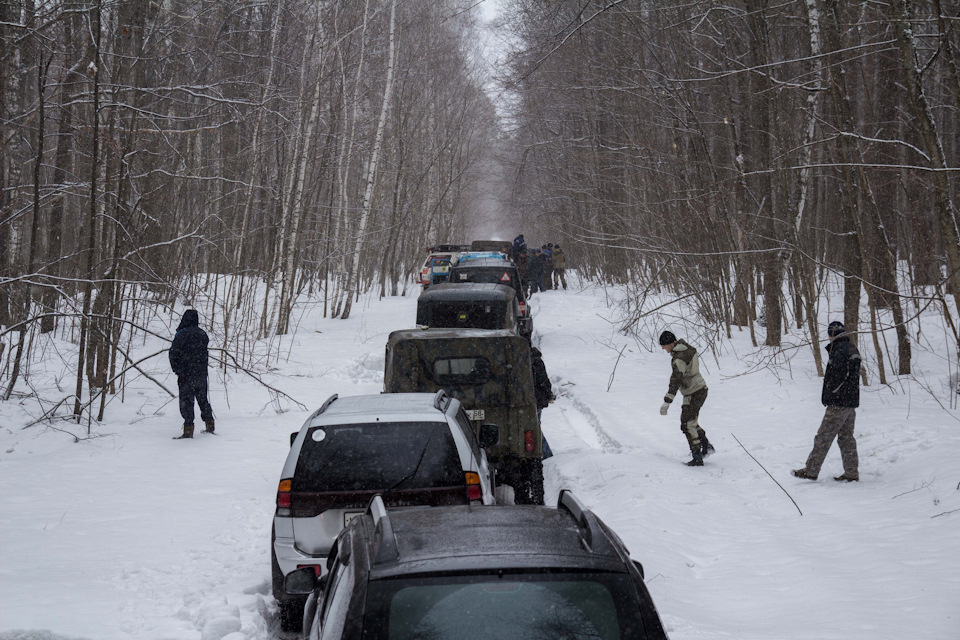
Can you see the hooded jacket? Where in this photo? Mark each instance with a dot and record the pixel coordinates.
(188, 353)
(841, 380)
(685, 371)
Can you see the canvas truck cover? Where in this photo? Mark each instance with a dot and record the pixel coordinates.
(488, 371)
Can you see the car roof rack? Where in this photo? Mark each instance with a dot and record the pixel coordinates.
(439, 398)
(591, 533)
(323, 407)
(384, 538)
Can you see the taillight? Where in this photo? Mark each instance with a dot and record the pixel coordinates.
(283, 498)
(523, 308)
(315, 567)
(474, 490)
(528, 443)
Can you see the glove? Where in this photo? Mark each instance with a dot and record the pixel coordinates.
(664, 408)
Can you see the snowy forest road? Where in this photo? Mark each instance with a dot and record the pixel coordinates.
(130, 534)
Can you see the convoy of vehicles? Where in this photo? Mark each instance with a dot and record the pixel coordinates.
(522, 573)
(458, 418)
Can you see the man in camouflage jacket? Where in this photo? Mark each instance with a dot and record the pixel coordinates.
(841, 397)
(685, 377)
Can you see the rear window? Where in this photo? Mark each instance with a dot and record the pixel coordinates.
(479, 315)
(520, 607)
(467, 370)
(506, 277)
(378, 456)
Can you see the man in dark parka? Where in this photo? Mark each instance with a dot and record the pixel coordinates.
(188, 359)
(841, 397)
(542, 389)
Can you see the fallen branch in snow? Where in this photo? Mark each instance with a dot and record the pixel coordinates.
(768, 473)
(614, 372)
(256, 377)
(944, 513)
(922, 486)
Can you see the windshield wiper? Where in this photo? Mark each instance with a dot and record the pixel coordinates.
(415, 469)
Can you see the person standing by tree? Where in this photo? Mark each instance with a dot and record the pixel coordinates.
(559, 264)
(685, 377)
(189, 359)
(841, 397)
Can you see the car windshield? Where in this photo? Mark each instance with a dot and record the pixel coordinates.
(378, 456)
(558, 606)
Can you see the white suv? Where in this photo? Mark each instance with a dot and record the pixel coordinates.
(411, 448)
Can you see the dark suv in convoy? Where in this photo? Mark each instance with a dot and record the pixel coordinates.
(449, 573)
(501, 272)
(469, 306)
(411, 448)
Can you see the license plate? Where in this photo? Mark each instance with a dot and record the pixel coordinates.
(347, 517)
(475, 414)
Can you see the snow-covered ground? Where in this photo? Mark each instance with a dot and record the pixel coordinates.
(134, 535)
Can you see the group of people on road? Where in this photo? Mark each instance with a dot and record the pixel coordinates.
(840, 396)
(541, 269)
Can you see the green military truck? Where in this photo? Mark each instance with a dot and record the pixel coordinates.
(489, 371)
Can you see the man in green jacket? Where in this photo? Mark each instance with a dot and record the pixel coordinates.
(685, 377)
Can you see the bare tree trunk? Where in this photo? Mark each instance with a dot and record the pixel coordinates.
(371, 173)
(94, 71)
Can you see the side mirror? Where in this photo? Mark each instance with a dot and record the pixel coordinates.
(489, 435)
(639, 567)
(301, 582)
(293, 437)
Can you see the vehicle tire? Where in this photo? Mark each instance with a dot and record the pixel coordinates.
(290, 613)
(289, 610)
(529, 483)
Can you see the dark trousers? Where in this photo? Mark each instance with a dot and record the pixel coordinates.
(559, 277)
(690, 418)
(194, 389)
(838, 423)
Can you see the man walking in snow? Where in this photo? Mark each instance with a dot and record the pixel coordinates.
(685, 377)
(559, 265)
(188, 359)
(841, 397)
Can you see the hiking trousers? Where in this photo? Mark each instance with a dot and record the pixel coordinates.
(838, 422)
(194, 389)
(690, 418)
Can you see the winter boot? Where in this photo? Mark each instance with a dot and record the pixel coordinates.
(804, 474)
(706, 448)
(187, 432)
(846, 478)
(697, 460)
(209, 424)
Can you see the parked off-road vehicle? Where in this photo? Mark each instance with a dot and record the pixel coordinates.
(469, 306)
(504, 246)
(436, 268)
(490, 372)
(502, 272)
